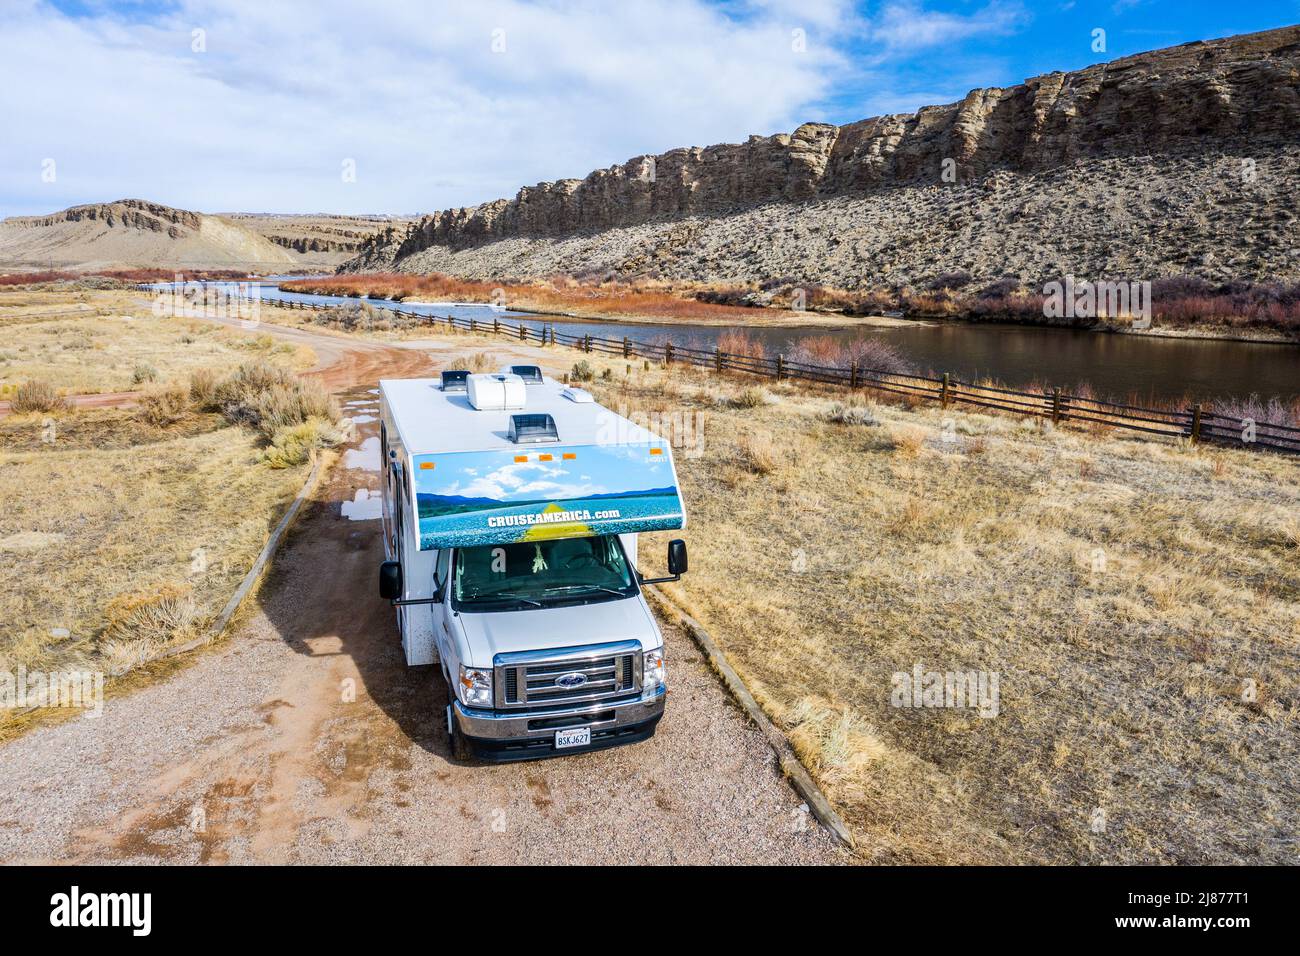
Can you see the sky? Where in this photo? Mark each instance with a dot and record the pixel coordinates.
(409, 106)
(596, 470)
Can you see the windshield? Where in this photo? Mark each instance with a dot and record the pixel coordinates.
(542, 574)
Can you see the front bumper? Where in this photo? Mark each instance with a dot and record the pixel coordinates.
(504, 735)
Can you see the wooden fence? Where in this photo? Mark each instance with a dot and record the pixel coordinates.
(1199, 423)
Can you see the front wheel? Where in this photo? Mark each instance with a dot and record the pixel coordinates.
(456, 742)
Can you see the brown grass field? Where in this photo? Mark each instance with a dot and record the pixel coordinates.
(125, 530)
(1139, 600)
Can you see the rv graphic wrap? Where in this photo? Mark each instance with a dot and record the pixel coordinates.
(466, 499)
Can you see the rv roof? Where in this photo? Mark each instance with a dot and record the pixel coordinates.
(431, 421)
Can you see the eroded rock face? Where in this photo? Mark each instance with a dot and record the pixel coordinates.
(123, 214)
(1172, 101)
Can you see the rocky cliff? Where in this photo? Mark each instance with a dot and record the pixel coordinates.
(1215, 99)
(123, 214)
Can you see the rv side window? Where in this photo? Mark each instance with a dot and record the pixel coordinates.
(440, 570)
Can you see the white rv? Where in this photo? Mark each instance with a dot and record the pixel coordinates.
(512, 505)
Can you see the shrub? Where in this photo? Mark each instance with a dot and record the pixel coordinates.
(158, 617)
(758, 454)
(203, 389)
(362, 317)
(268, 399)
(164, 406)
(582, 371)
(297, 444)
(909, 441)
(751, 397)
(37, 396)
(830, 351)
(841, 414)
(142, 373)
(740, 342)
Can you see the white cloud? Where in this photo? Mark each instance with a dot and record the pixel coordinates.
(414, 94)
(905, 25)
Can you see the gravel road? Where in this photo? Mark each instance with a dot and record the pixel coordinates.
(304, 738)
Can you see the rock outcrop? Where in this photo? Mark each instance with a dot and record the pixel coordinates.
(134, 233)
(1183, 101)
(123, 214)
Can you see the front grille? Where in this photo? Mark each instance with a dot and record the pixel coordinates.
(568, 676)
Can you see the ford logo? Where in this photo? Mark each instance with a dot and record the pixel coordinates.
(570, 680)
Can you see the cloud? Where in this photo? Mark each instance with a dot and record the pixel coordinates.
(437, 106)
(906, 26)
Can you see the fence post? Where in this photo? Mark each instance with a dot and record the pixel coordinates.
(943, 395)
(552, 335)
(780, 367)
(627, 347)
(473, 324)
(586, 344)
(853, 374)
(1196, 422)
(523, 334)
(1056, 405)
(496, 326)
(717, 359)
(451, 323)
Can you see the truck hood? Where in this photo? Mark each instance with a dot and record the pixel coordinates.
(503, 632)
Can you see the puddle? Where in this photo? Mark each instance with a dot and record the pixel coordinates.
(366, 457)
(366, 506)
(363, 419)
(361, 403)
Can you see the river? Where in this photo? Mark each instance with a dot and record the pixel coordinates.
(1134, 367)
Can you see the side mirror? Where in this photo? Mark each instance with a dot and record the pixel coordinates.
(677, 562)
(390, 580)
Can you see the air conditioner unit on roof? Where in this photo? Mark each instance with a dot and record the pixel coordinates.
(497, 392)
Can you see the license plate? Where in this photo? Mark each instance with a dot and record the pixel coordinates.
(576, 737)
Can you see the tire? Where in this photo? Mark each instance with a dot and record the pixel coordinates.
(456, 742)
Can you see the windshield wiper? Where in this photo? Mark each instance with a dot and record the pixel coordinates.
(511, 597)
(505, 596)
(587, 587)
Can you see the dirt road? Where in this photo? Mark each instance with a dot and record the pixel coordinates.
(304, 738)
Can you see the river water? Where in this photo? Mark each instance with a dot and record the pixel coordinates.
(1139, 368)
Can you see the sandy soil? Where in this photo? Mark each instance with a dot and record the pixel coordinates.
(304, 738)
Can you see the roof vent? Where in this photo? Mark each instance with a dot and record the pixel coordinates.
(455, 381)
(531, 429)
(529, 373)
(581, 396)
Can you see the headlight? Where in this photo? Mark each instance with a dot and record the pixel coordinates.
(653, 670)
(475, 687)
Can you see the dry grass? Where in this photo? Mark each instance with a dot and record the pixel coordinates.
(88, 531)
(758, 454)
(1139, 599)
(123, 349)
(125, 530)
